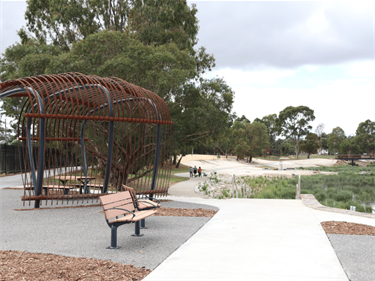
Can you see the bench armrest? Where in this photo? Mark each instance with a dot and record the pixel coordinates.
(145, 202)
(151, 199)
(122, 210)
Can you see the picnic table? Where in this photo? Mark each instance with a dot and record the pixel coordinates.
(83, 179)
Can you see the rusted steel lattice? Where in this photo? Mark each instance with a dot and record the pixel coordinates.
(86, 135)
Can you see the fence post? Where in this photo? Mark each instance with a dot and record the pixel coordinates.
(5, 157)
(233, 177)
(298, 188)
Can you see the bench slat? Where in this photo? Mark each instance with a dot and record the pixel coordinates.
(107, 199)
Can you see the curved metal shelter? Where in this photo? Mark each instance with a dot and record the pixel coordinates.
(84, 135)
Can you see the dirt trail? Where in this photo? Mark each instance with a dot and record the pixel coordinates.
(229, 166)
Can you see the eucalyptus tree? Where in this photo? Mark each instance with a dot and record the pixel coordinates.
(293, 123)
(310, 144)
(272, 129)
(148, 43)
(365, 136)
(334, 140)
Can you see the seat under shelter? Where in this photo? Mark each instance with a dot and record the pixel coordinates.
(84, 136)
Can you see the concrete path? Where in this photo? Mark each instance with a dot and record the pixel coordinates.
(186, 188)
(255, 240)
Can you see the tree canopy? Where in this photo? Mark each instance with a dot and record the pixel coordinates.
(310, 144)
(334, 140)
(272, 129)
(365, 136)
(147, 43)
(250, 139)
(293, 122)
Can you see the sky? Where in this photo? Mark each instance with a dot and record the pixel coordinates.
(278, 54)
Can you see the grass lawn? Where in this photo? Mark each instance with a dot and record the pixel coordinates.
(175, 179)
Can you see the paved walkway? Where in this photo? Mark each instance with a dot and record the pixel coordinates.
(256, 239)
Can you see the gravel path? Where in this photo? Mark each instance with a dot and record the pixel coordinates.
(356, 254)
(83, 232)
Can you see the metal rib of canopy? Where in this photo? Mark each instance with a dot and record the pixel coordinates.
(84, 135)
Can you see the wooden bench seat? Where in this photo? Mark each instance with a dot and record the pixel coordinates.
(119, 208)
(142, 203)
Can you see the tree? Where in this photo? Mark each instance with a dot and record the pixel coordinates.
(334, 140)
(53, 28)
(243, 119)
(225, 142)
(147, 43)
(348, 146)
(310, 144)
(272, 129)
(258, 139)
(293, 122)
(324, 141)
(319, 131)
(365, 136)
(201, 113)
(250, 139)
(287, 147)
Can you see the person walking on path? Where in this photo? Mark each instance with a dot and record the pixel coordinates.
(191, 172)
(199, 172)
(195, 171)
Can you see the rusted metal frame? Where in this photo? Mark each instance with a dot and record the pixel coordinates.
(53, 125)
(36, 183)
(48, 98)
(42, 129)
(110, 142)
(54, 139)
(158, 135)
(79, 79)
(93, 118)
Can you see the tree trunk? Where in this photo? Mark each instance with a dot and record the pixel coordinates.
(174, 159)
(308, 156)
(251, 159)
(297, 148)
(179, 161)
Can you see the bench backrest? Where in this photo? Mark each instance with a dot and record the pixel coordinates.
(121, 200)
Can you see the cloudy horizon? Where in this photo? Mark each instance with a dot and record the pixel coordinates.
(277, 54)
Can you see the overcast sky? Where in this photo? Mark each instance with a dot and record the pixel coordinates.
(277, 54)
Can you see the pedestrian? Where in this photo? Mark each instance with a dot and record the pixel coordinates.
(191, 172)
(195, 171)
(200, 172)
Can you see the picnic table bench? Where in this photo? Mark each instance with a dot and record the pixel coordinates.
(122, 208)
(66, 188)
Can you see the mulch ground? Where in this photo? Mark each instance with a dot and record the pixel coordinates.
(17, 265)
(177, 212)
(348, 228)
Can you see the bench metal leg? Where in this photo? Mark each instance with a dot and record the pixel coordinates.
(143, 224)
(113, 238)
(137, 230)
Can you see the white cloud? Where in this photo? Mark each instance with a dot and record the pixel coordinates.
(343, 102)
(262, 77)
(363, 69)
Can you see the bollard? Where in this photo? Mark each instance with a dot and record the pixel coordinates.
(233, 185)
(298, 188)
